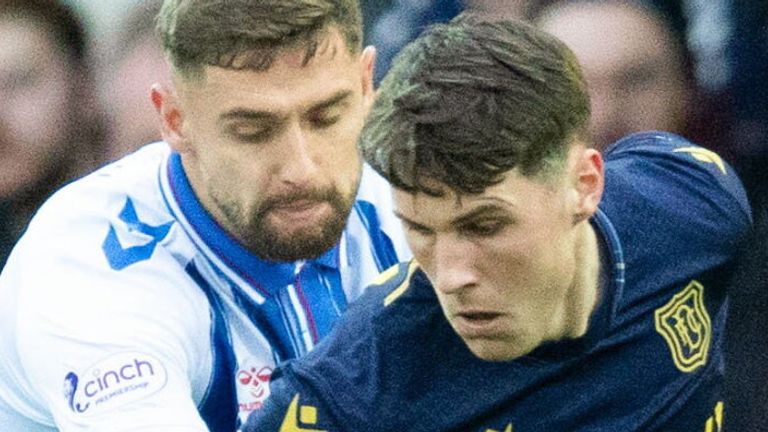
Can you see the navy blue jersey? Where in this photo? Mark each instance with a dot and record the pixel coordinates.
(672, 217)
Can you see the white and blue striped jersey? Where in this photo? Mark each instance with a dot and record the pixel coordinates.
(125, 306)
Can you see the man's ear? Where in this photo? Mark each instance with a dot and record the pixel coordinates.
(167, 107)
(368, 65)
(589, 181)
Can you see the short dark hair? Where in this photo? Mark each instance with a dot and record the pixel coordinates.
(246, 34)
(470, 100)
(62, 24)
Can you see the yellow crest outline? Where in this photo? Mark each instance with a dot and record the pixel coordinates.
(685, 325)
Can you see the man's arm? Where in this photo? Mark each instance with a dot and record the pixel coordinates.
(94, 349)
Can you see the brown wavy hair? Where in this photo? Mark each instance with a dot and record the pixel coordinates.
(247, 34)
(470, 100)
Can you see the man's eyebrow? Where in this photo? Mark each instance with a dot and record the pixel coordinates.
(334, 99)
(401, 216)
(248, 114)
(481, 210)
(407, 220)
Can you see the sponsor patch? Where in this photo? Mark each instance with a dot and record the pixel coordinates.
(114, 381)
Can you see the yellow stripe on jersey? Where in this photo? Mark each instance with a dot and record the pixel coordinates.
(386, 275)
(704, 155)
(400, 290)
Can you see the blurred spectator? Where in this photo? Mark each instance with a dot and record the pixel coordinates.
(402, 22)
(748, 88)
(49, 126)
(135, 61)
(637, 66)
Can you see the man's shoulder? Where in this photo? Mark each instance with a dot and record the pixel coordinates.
(658, 159)
(135, 175)
(107, 218)
(381, 302)
(666, 177)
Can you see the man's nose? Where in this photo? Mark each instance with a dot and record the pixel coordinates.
(300, 160)
(454, 265)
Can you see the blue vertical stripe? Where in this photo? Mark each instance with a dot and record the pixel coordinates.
(383, 249)
(268, 318)
(291, 321)
(321, 305)
(219, 405)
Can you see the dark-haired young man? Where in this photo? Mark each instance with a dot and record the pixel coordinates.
(553, 288)
(159, 293)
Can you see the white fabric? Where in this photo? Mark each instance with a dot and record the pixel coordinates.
(137, 341)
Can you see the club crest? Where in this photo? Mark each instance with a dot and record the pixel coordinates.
(685, 325)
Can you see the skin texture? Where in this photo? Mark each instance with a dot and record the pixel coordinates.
(516, 265)
(37, 90)
(272, 154)
(632, 68)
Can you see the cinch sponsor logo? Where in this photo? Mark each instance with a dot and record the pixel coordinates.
(116, 380)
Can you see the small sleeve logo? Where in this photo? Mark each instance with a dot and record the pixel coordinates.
(115, 380)
(685, 325)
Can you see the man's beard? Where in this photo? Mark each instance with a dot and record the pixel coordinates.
(273, 244)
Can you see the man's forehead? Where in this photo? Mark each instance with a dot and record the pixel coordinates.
(450, 206)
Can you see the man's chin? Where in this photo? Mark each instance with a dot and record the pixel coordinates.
(496, 350)
(298, 245)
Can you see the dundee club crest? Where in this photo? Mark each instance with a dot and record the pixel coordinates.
(685, 325)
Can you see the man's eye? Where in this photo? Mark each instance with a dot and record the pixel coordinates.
(325, 121)
(249, 133)
(483, 229)
(418, 229)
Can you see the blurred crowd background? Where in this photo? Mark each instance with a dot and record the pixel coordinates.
(75, 78)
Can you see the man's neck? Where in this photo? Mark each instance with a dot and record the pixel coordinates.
(586, 290)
